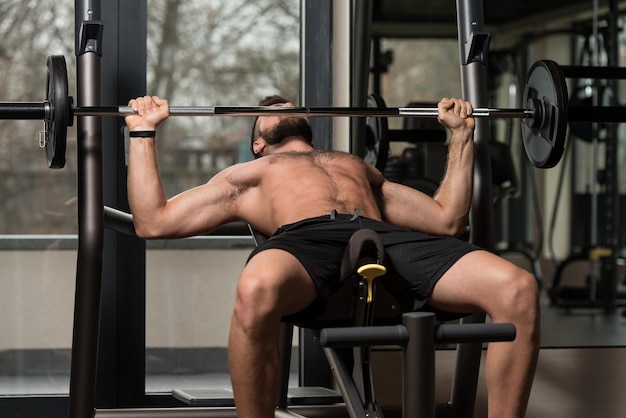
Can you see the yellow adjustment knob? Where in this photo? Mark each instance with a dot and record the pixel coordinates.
(596, 254)
(370, 272)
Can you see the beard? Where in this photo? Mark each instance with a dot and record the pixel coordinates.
(288, 127)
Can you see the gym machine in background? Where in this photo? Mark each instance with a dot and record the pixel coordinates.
(597, 231)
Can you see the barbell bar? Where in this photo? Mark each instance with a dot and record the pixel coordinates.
(544, 120)
(40, 111)
(423, 112)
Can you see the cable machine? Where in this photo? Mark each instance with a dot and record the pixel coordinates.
(600, 243)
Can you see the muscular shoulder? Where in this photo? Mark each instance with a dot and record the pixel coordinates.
(242, 173)
(239, 177)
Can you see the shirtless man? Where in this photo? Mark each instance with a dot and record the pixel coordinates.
(290, 193)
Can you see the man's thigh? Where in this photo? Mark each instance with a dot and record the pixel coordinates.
(474, 283)
(281, 272)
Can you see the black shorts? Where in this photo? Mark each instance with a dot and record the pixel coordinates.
(418, 259)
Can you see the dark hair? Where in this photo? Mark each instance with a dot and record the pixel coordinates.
(266, 101)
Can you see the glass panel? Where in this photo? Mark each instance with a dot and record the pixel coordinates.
(426, 76)
(37, 302)
(35, 199)
(420, 79)
(207, 53)
(190, 295)
(37, 215)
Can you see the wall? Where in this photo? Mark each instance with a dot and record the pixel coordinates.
(190, 295)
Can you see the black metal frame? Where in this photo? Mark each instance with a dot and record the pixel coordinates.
(418, 336)
(90, 226)
(473, 49)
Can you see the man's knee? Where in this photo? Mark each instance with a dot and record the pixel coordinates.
(521, 293)
(256, 300)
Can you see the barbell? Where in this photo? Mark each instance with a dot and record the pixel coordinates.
(544, 120)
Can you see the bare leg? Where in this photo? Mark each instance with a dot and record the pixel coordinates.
(481, 281)
(272, 285)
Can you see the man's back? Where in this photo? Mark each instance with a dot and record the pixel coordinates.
(296, 186)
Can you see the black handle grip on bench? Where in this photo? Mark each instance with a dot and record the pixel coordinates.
(467, 333)
(366, 336)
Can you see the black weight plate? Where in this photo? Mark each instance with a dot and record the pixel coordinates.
(376, 135)
(544, 136)
(60, 111)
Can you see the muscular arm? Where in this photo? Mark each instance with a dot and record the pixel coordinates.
(446, 213)
(193, 212)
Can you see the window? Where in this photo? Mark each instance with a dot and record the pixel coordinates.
(207, 53)
(37, 215)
